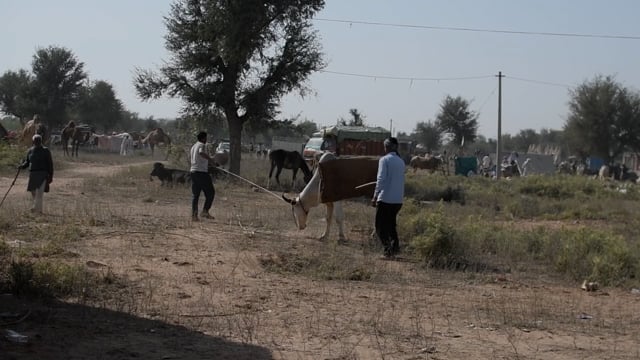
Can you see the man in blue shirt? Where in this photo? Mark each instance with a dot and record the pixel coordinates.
(388, 195)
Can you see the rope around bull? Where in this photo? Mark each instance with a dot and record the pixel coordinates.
(250, 182)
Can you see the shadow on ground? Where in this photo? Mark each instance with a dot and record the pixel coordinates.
(59, 330)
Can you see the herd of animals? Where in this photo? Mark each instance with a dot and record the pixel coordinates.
(73, 135)
(325, 182)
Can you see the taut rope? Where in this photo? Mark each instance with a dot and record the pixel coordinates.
(250, 182)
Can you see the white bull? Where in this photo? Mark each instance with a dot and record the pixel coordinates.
(335, 179)
(310, 197)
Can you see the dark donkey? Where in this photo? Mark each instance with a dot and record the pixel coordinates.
(288, 160)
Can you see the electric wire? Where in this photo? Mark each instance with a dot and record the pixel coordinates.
(487, 99)
(458, 78)
(411, 78)
(540, 82)
(498, 31)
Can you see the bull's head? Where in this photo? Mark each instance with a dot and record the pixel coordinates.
(299, 211)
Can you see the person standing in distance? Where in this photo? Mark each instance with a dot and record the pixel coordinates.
(200, 179)
(388, 196)
(40, 165)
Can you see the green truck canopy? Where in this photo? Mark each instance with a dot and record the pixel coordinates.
(356, 133)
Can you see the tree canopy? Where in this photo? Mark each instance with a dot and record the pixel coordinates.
(457, 120)
(357, 119)
(429, 135)
(16, 94)
(49, 90)
(604, 119)
(240, 56)
(58, 78)
(98, 105)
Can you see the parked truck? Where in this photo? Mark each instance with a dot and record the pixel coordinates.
(288, 143)
(355, 140)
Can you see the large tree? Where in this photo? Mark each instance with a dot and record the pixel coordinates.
(429, 135)
(357, 119)
(241, 56)
(98, 105)
(457, 120)
(604, 119)
(58, 78)
(17, 94)
(306, 127)
(524, 139)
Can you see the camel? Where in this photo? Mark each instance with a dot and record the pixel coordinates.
(32, 127)
(76, 135)
(156, 137)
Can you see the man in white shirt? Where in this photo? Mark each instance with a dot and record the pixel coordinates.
(200, 178)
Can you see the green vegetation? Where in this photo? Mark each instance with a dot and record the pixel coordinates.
(9, 157)
(47, 279)
(512, 233)
(573, 228)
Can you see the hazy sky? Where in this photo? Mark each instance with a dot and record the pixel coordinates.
(113, 37)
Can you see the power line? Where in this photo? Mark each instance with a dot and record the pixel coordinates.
(406, 77)
(540, 82)
(459, 78)
(488, 97)
(451, 28)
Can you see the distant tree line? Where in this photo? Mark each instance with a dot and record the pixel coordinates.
(58, 89)
(603, 120)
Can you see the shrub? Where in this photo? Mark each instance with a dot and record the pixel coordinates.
(10, 157)
(46, 279)
(595, 255)
(433, 238)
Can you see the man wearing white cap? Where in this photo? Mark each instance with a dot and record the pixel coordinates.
(40, 166)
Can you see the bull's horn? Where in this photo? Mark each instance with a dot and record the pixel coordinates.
(290, 201)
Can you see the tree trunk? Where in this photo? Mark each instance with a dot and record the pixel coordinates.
(235, 138)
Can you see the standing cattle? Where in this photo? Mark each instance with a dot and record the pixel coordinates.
(429, 163)
(288, 160)
(335, 179)
(603, 173)
(510, 169)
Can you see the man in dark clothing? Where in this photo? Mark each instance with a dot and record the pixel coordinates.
(200, 179)
(40, 166)
(388, 197)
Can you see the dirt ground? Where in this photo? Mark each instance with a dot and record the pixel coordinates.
(208, 289)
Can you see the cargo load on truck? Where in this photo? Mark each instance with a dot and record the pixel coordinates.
(288, 143)
(355, 140)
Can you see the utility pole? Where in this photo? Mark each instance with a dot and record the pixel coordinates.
(498, 142)
(391, 126)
